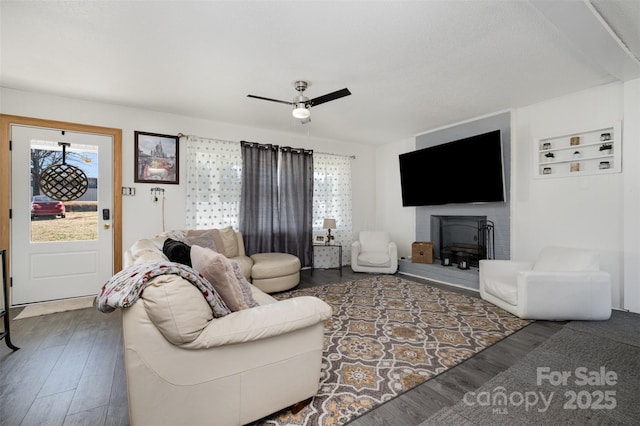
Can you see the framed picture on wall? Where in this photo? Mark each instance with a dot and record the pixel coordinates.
(156, 158)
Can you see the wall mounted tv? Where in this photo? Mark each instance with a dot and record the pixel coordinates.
(463, 171)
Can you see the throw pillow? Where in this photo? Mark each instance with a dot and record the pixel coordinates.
(204, 238)
(219, 271)
(247, 294)
(175, 234)
(230, 241)
(177, 251)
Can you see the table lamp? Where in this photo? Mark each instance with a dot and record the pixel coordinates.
(329, 224)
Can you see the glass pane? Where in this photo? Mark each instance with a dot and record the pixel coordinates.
(54, 220)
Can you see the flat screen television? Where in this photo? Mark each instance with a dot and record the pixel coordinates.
(468, 170)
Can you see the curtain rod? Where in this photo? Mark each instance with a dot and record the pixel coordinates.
(353, 157)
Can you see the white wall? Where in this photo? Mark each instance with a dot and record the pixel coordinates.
(600, 212)
(580, 211)
(390, 215)
(631, 164)
(143, 218)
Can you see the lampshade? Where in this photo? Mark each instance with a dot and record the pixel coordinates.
(301, 111)
(329, 224)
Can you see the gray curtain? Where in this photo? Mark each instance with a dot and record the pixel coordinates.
(259, 221)
(296, 203)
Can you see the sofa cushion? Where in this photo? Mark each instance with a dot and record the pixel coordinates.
(177, 251)
(272, 265)
(374, 240)
(143, 246)
(503, 290)
(559, 259)
(261, 297)
(150, 256)
(227, 280)
(374, 258)
(230, 242)
(176, 308)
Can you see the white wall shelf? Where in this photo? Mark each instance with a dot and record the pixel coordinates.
(579, 154)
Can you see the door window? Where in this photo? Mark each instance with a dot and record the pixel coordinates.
(55, 220)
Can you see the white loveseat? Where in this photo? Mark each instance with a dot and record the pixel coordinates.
(562, 284)
(185, 367)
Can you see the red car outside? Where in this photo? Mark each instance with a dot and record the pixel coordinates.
(41, 205)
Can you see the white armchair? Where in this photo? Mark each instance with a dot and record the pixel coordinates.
(562, 284)
(374, 252)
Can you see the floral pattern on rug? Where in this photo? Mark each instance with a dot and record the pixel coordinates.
(388, 335)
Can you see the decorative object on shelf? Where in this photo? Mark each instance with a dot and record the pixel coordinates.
(578, 153)
(606, 148)
(63, 182)
(156, 158)
(463, 260)
(319, 239)
(329, 224)
(445, 257)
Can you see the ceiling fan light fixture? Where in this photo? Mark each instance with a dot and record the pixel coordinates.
(301, 111)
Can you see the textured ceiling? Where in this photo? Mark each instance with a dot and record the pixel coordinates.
(411, 66)
(623, 17)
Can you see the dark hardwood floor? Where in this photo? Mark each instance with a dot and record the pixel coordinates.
(69, 370)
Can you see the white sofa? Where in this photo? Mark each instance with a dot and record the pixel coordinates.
(374, 252)
(562, 284)
(185, 367)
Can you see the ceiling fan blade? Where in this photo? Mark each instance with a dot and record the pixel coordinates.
(328, 97)
(269, 99)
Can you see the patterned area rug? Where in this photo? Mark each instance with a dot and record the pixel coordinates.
(388, 335)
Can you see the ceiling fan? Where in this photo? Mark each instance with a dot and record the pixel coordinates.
(302, 104)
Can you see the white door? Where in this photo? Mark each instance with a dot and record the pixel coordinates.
(59, 254)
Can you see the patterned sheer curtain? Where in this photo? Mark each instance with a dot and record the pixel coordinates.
(259, 218)
(296, 203)
(214, 171)
(332, 199)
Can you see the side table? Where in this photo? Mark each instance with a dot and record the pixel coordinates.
(331, 246)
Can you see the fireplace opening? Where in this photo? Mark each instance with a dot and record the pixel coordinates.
(463, 236)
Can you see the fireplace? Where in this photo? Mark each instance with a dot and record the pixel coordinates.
(463, 236)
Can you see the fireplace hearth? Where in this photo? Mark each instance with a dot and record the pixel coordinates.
(465, 237)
